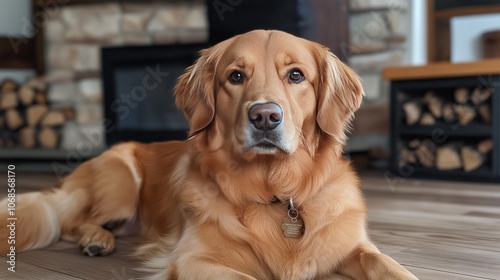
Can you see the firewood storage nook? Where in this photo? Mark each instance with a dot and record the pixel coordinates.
(445, 121)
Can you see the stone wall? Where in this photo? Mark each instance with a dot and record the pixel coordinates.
(378, 38)
(379, 35)
(75, 35)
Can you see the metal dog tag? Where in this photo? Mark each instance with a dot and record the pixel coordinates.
(293, 228)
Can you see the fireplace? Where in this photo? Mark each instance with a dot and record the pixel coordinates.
(138, 91)
(92, 55)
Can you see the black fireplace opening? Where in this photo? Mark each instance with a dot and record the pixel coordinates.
(138, 86)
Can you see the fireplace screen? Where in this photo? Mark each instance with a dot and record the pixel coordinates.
(138, 92)
(151, 106)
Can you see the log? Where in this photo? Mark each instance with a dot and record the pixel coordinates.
(37, 83)
(53, 118)
(471, 158)
(461, 95)
(8, 85)
(448, 113)
(26, 95)
(13, 119)
(434, 103)
(447, 158)
(465, 114)
(480, 95)
(485, 112)
(8, 100)
(69, 114)
(413, 158)
(41, 97)
(414, 144)
(425, 154)
(427, 119)
(47, 137)
(409, 156)
(404, 155)
(27, 137)
(35, 113)
(412, 109)
(485, 146)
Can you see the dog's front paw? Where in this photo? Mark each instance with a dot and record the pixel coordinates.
(96, 243)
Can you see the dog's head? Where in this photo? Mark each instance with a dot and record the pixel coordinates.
(267, 92)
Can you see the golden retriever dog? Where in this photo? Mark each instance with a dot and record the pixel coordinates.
(259, 190)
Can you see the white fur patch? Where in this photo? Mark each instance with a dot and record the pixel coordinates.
(179, 174)
(66, 203)
(125, 152)
(48, 224)
(172, 251)
(133, 169)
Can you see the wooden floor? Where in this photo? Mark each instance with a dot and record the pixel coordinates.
(438, 230)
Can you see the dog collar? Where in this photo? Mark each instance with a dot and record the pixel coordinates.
(276, 200)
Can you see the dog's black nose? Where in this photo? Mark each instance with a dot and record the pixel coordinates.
(265, 116)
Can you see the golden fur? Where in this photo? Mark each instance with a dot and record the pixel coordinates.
(204, 203)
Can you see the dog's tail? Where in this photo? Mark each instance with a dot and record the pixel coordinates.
(33, 220)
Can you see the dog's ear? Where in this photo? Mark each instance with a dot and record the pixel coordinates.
(194, 92)
(340, 95)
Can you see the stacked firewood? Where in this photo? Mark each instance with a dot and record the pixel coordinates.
(467, 104)
(463, 107)
(452, 156)
(26, 118)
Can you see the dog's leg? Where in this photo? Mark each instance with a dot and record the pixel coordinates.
(111, 184)
(334, 277)
(93, 239)
(366, 262)
(96, 240)
(201, 269)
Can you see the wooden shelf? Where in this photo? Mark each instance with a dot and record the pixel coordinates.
(471, 130)
(482, 174)
(412, 83)
(17, 53)
(443, 70)
(465, 11)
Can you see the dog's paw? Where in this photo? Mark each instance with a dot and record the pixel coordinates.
(97, 243)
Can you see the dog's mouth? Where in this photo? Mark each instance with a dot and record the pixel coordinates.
(266, 144)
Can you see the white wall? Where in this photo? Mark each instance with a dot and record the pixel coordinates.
(15, 16)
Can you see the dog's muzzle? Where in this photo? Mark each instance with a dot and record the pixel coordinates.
(266, 129)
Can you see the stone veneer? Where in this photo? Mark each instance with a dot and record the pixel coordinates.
(378, 39)
(73, 40)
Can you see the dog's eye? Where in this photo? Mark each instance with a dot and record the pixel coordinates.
(295, 76)
(236, 78)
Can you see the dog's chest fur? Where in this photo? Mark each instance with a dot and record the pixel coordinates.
(291, 258)
(256, 228)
